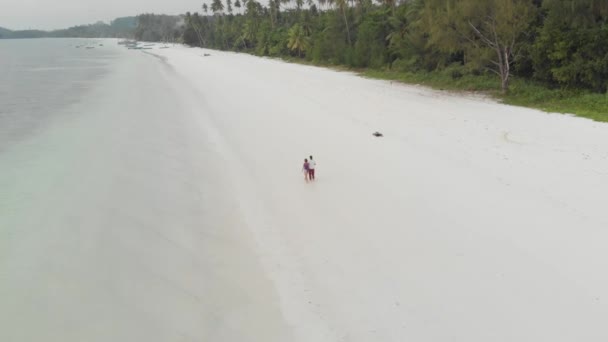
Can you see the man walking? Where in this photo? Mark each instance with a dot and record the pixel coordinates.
(311, 168)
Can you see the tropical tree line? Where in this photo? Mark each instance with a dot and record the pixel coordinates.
(153, 27)
(562, 43)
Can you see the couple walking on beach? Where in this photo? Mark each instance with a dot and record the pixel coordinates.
(309, 169)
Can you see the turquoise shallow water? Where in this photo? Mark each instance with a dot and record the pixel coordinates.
(40, 77)
(46, 89)
(116, 222)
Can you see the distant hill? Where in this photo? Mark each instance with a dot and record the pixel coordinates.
(26, 34)
(123, 27)
(5, 32)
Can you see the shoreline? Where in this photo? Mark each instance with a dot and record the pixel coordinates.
(524, 93)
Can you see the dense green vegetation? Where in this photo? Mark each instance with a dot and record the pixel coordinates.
(152, 27)
(118, 28)
(549, 54)
(523, 92)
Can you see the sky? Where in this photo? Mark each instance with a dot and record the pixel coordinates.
(58, 14)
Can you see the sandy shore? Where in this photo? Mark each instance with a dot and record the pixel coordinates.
(191, 221)
(468, 221)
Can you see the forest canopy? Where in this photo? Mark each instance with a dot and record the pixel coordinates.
(558, 42)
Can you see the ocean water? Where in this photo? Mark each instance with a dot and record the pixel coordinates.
(116, 222)
(40, 77)
(45, 86)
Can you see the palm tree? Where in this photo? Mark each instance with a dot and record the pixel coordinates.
(307, 23)
(282, 1)
(272, 11)
(299, 4)
(248, 34)
(217, 6)
(343, 5)
(297, 39)
(229, 6)
(194, 22)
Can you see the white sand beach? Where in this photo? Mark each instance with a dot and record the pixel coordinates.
(181, 213)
